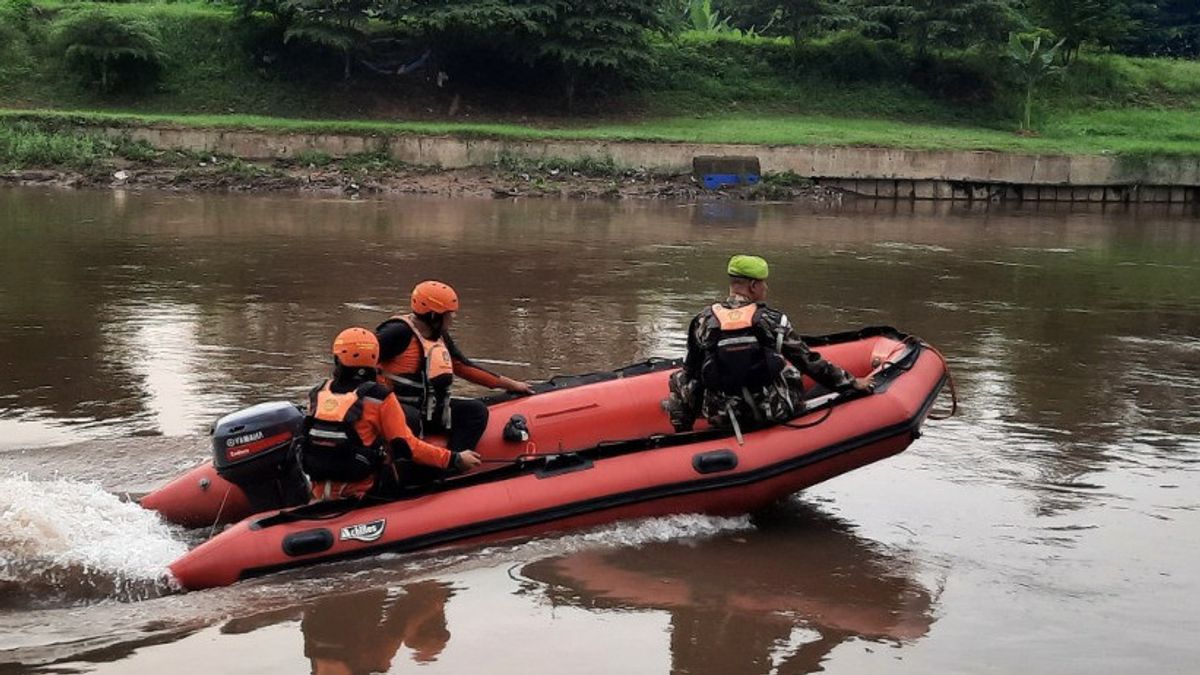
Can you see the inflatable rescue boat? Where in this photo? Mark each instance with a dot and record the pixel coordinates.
(582, 450)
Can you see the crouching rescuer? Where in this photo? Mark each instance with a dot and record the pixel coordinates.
(356, 439)
(745, 362)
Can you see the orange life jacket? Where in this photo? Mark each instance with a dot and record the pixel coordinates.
(333, 450)
(735, 318)
(430, 385)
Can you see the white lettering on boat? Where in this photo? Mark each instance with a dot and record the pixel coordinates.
(364, 531)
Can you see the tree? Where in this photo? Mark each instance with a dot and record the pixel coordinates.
(931, 24)
(592, 36)
(566, 39)
(109, 50)
(1079, 22)
(339, 25)
(800, 19)
(1165, 28)
(1032, 64)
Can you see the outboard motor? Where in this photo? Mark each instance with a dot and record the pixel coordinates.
(256, 449)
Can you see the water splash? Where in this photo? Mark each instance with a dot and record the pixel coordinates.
(66, 541)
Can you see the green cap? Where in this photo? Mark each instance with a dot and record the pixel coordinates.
(749, 266)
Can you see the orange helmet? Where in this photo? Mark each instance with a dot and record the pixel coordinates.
(356, 348)
(433, 296)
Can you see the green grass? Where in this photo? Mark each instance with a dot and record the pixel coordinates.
(1161, 132)
(25, 144)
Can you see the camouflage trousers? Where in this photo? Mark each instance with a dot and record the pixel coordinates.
(779, 402)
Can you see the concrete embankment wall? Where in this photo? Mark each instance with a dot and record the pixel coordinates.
(879, 172)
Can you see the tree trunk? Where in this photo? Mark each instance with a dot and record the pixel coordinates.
(345, 64)
(569, 90)
(1028, 106)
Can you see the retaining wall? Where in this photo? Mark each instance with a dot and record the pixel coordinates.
(878, 172)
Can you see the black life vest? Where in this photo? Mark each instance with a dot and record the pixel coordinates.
(736, 361)
(332, 448)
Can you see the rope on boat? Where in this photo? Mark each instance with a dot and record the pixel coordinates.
(950, 380)
(220, 510)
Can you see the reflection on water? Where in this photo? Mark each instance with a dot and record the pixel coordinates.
(779, 598)
(363, 632)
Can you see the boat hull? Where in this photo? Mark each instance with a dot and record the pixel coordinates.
(705, 472)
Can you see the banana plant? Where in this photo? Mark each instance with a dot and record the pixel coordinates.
(1032, 64)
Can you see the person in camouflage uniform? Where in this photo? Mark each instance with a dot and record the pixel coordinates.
(745, 361)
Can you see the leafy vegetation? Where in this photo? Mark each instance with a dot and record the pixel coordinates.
(109, 51)
(27, 144)
(910, 73)
(1033, 63)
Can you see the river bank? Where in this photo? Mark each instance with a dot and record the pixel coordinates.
(99, 153)
(228, 174)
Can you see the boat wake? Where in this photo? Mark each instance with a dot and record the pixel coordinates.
(69, 542)
(630, 533)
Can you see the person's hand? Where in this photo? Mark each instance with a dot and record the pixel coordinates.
(866, 384)
(517, 386)
(467, 460)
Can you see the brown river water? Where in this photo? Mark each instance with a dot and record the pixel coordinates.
(1053, 526)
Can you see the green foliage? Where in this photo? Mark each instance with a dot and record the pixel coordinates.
(801, 19)
(787, 179)
(1165, 28)
(939, 24)
(25, 144)
(701, 17)
(312, 158)
(372, 162)
(16, 57)
(1032, 63)
(109, 51)
(562, 41)
(851, 57)
(1080, 22)
(339, 25)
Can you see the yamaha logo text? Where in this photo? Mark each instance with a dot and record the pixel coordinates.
(247, 438)
(364, 532)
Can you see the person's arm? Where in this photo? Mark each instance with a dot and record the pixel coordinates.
(402, 443)
(464, 368)
(809, 362)
(394, 338)
(693, 361)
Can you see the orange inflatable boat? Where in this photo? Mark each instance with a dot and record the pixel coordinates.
(583, 450)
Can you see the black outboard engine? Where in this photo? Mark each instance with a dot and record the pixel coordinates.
(256, 449)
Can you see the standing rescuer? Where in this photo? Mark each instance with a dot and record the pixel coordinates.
(744, 360)
(419, 360)
(356, 436)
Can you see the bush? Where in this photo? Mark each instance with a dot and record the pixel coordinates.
(16, 58)
(109, 51)
(962, 78)
(26, 144)
(851, 57)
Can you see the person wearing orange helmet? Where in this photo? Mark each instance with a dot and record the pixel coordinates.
(419, 361)
(356, 433)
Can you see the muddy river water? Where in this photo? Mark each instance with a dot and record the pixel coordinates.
(1053, 526)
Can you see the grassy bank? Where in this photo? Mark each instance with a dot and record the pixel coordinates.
(835, 91)
(1123, 132)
